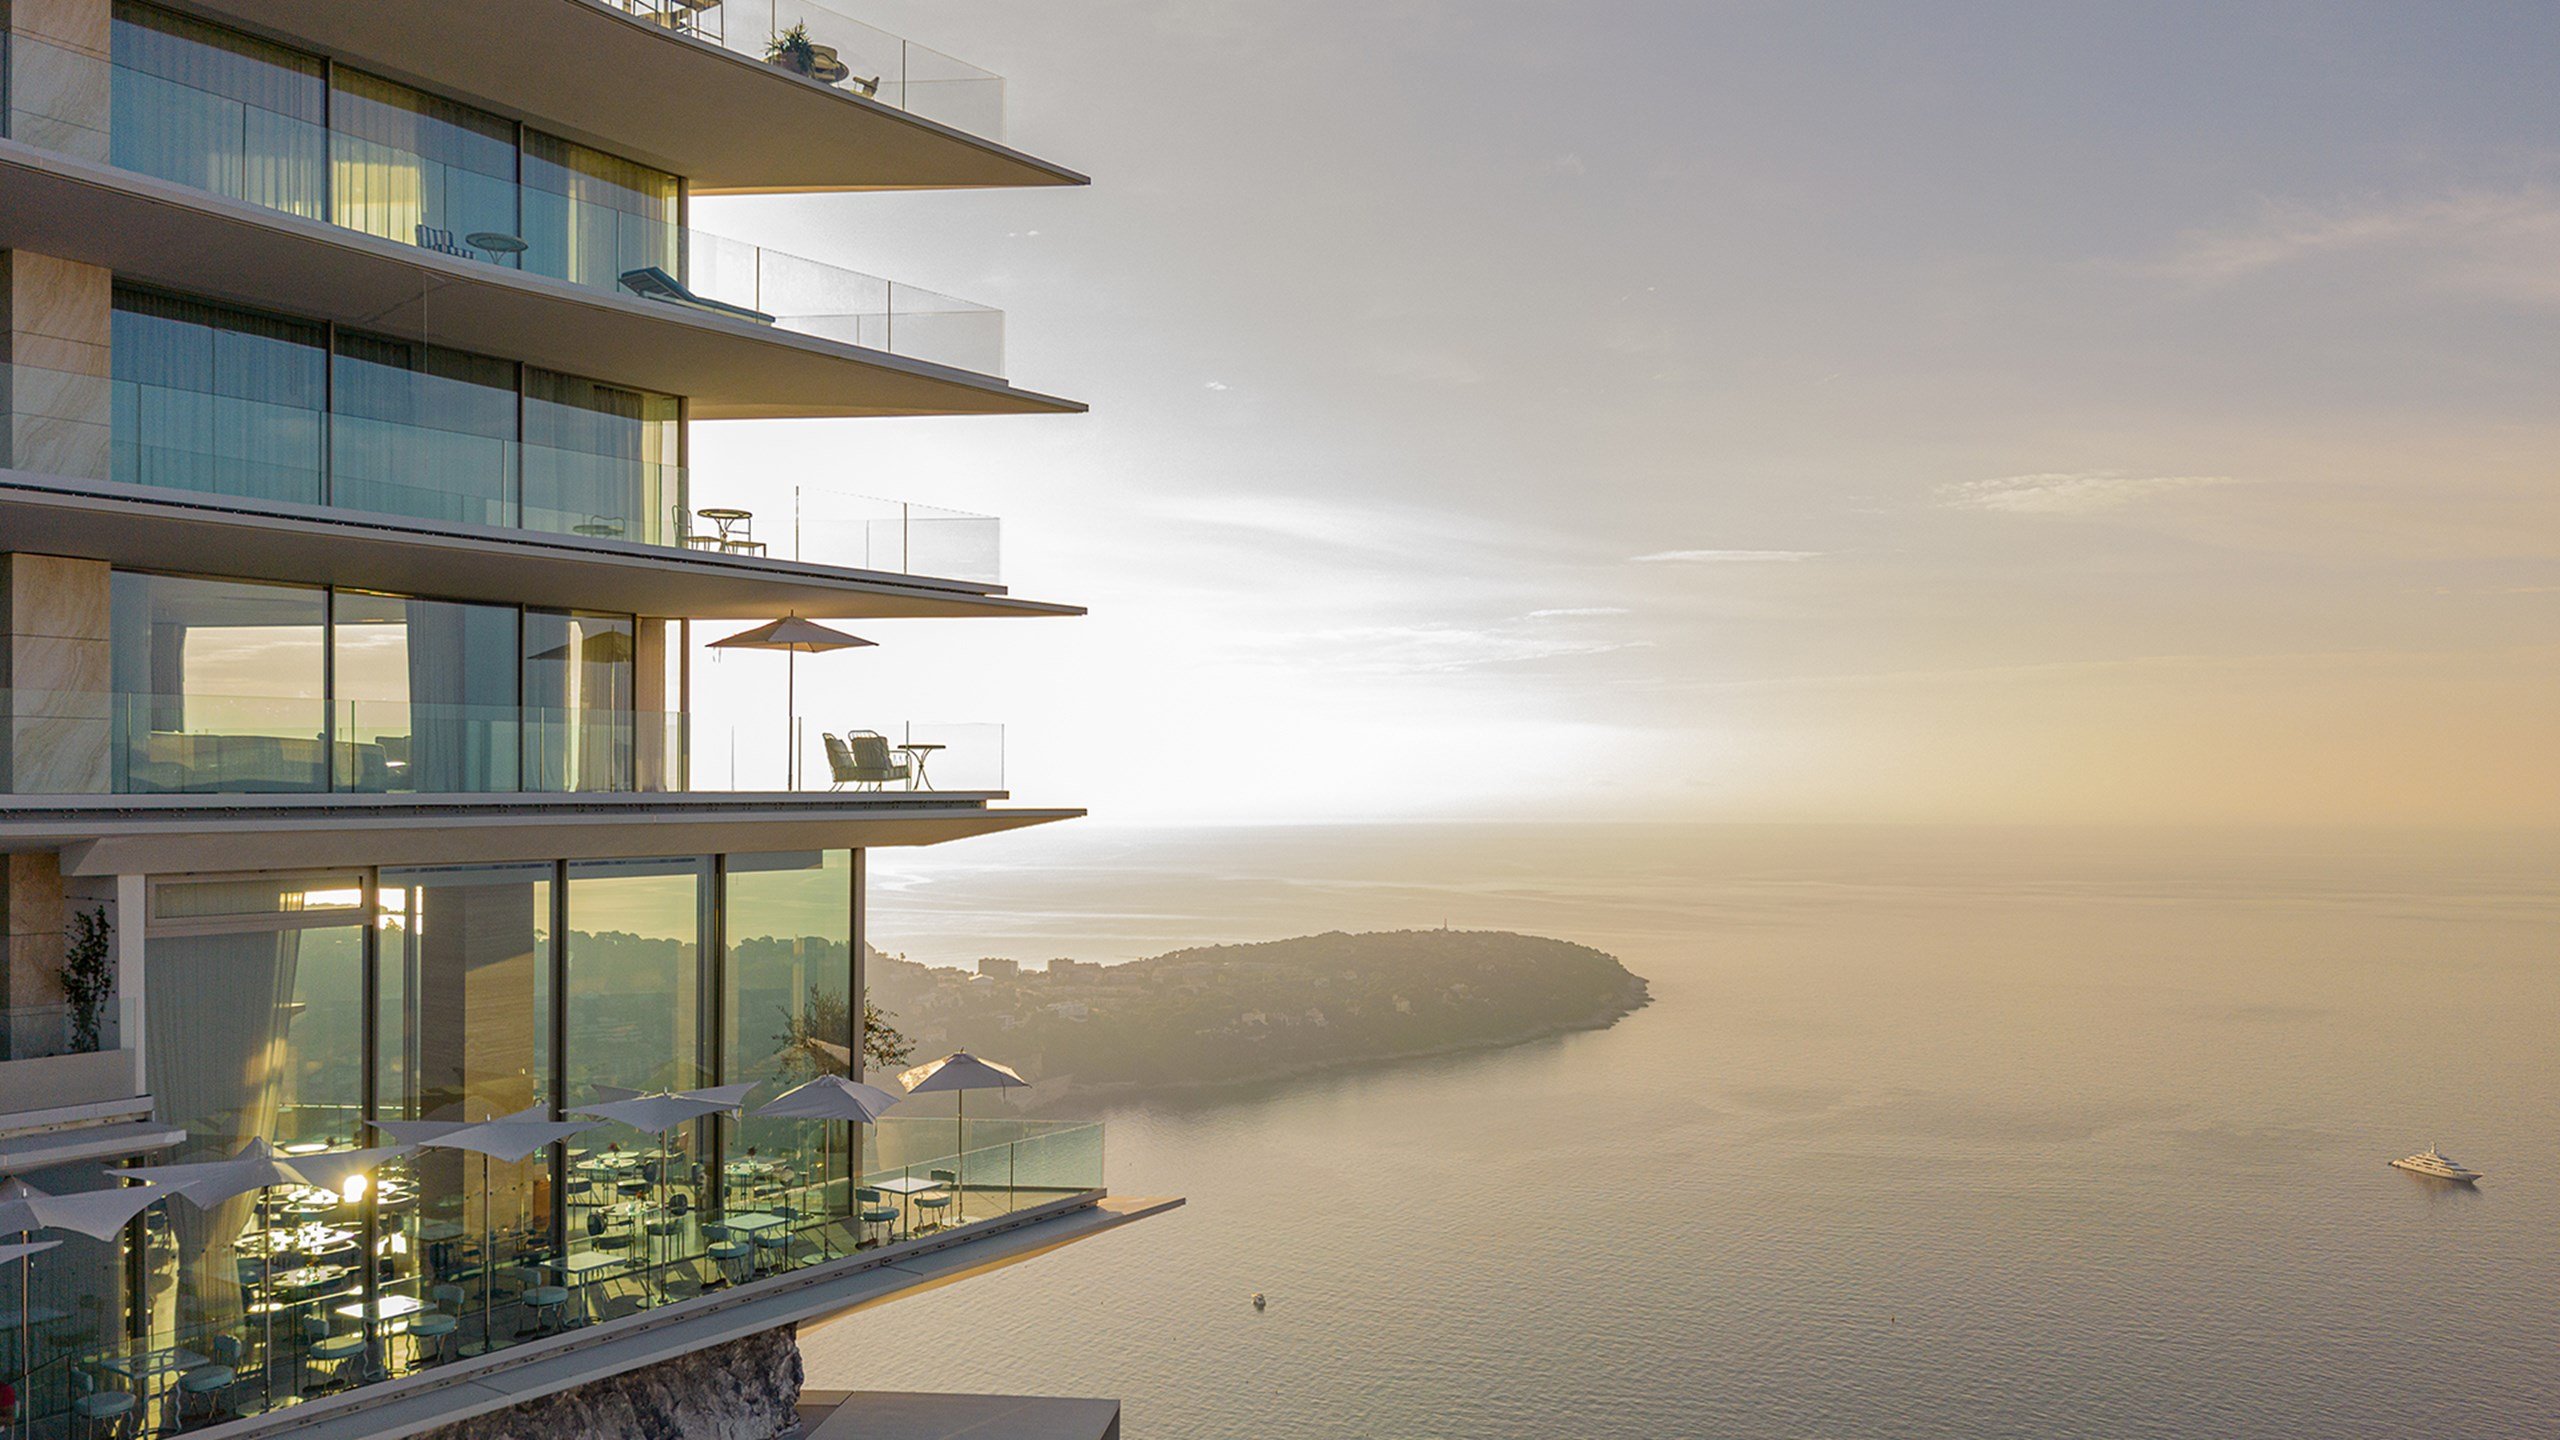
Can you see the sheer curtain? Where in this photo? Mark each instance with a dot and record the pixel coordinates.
(600, 459)
(591, 217)
(219, 110)
(211, 398)
(421, 430)
(403, 162)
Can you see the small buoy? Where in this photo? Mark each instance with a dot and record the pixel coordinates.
(1258, 1300)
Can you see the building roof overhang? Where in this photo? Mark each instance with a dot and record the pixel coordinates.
(159, 233)
(145, 528)
(602, 77)
(189, 834)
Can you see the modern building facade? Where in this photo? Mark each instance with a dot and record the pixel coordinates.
(352, 575)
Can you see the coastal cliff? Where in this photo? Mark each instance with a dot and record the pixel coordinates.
(1232, 1015)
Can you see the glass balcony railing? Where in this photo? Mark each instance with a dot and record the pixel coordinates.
(832, 49)
(192, 440)
(235, 148)
(235, 744)
(304, 1292)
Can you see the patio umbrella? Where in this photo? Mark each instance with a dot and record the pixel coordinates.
(510, 1138)
(832, 1097)
(668, 1110)
(795, 637)
(961, 1072)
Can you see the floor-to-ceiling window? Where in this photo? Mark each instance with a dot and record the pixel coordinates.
(592, 218)
(422, 430)
(219, 685)
(787, 1012)
(464, 1031)
(636, 1010)
(218, 110)
(578, 684)
(257, 996)
(212, 398)
(601, 460)
(418, 168)
(426, 694)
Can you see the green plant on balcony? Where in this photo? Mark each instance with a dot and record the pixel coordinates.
(88, 976)
(793, 50)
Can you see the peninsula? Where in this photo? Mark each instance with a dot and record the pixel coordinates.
(1239, 1014)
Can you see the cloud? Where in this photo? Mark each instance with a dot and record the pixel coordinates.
(2496, 243)
(2068, 492)
(1573, 611)
(1725, 557)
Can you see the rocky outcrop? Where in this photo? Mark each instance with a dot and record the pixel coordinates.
(745, 1390)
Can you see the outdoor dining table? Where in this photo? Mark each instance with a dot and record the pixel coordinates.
(906, 1188)
(579, 1268)
(152, 1370)
(383, 1310)
(309, 1239)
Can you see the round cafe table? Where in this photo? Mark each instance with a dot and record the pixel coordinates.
(922, 753)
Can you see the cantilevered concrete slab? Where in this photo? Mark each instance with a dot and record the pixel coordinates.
(606, 78)
(461, 1390)
(181, 834)
(155, 232)
(917, 1415)
(140, 527)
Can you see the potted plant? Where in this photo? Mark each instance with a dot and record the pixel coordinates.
(793, 50)
(88, 976)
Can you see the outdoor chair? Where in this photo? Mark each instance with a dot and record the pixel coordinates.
(210, 1384)
(876, 1211)
(936, 1203)
(431, 1330)
(94, 1410)
(863, 758)
(327, 1354)
(546, 1306)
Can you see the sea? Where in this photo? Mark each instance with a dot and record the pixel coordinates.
(1927, 1132)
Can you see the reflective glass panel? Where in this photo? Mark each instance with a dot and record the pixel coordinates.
(426, 695)
(218, 685)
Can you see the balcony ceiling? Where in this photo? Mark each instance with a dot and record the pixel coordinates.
(184, 834)
(727, 123)
(142, 528)
(158, 233)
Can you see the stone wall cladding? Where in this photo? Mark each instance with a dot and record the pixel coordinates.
(745, 1390)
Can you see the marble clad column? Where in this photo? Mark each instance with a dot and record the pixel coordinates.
(59, 58)
(55, 681)
(55, 317)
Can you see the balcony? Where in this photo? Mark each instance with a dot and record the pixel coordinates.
(272, 745)
(815, 43)
(640, 1239)
(162, 437)
(206, 194)
(687, 86)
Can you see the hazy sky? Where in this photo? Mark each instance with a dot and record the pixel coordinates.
(1744, 411)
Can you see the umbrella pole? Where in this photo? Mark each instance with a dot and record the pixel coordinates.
(791, 719)
(24, 1417)
(266, 1302)
(488, 1259)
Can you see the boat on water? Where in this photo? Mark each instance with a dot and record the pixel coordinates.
(2432, 1161)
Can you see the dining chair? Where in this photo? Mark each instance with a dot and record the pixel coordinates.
(93, 1409)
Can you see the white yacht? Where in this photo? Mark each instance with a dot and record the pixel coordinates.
(2432, 1161)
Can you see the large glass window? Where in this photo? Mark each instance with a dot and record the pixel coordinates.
(592, 218)
(219, 685)
(418, 168)
(422, 430)
(787, 1009)
(578, 682)
(464, 987)
(600, 460)
(257, 989)
(216, 399)
(218, 110)
(426, 694)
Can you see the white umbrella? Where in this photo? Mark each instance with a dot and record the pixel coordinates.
(960, 1072)
(668, 1110)
(510, 1138)
(832, 1097)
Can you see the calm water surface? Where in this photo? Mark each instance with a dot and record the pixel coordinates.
(1928, 1133)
